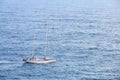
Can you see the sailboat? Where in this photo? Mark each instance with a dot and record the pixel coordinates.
(38, 60)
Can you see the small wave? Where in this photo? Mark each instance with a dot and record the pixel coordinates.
(7, 62)
(4, 62)
(93, 48)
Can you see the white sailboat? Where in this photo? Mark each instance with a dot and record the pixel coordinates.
(35, 59)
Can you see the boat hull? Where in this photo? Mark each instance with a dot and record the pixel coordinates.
(39, 61)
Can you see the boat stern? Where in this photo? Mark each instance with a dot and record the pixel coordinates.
(24, 59)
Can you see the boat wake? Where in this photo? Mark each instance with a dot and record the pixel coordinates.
(8, 65)
(5, 62)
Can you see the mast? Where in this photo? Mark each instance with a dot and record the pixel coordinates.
(46, 43)
(33, 45)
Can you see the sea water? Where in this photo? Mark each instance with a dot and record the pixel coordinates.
(83, 35)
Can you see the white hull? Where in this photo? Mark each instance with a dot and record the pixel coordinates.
(40, 60)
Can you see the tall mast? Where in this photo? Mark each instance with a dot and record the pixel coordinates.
(33, 45)
(46, 43)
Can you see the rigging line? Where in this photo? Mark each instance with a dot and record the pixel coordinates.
(33, 49)
(46, 43)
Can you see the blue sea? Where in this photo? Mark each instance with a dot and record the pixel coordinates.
(83, 35)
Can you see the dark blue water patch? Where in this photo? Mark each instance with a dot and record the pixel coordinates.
(94, 79)
(75, 20)
(114, 55)
(109, 50)
(15, 78)
(35, 73)
(5, 33)
(117, 41)
(2, 77)
(95, 48)
(74, 33)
